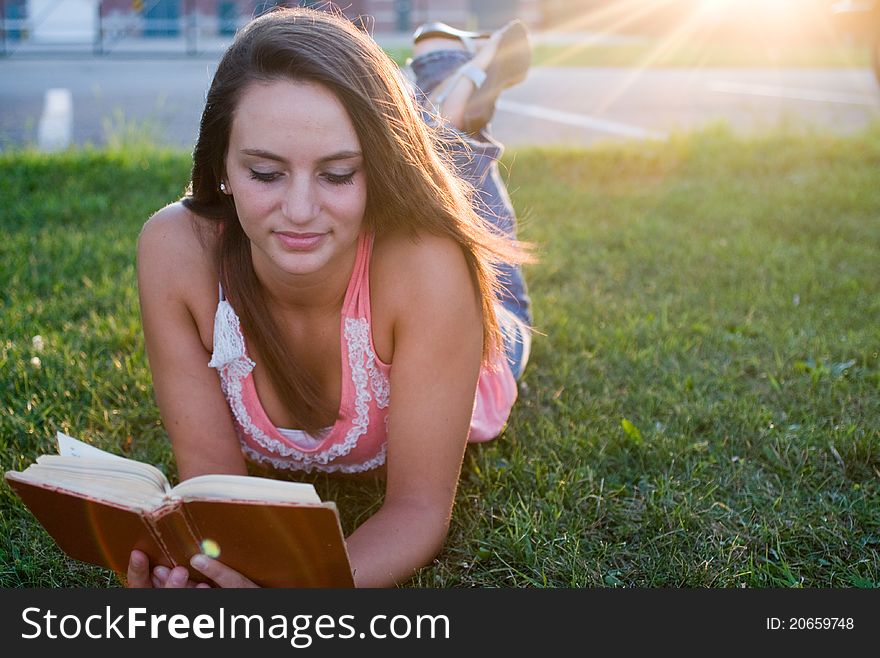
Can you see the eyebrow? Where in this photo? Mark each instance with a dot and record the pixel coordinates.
(340, 155)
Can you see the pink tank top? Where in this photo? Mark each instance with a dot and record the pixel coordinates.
(357, 440)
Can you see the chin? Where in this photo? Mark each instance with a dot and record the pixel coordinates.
(301, 264)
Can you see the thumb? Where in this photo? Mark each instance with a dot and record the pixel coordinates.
(218, 572)
(138, 574)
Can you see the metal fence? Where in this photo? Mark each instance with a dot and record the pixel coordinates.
(175, 27)
(103, 27)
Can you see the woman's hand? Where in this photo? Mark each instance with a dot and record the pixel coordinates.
(140, 576)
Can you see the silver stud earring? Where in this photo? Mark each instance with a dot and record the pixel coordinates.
(223, 187)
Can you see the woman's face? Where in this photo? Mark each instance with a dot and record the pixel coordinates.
(296, 174)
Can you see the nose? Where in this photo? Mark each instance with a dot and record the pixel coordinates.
(301, 203)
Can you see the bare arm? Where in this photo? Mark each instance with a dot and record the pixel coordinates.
(178, 292)
(437, 348)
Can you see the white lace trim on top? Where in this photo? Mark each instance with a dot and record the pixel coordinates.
(233, 365)
(286, 464)
(228, 339)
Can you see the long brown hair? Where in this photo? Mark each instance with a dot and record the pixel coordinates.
(411, 186)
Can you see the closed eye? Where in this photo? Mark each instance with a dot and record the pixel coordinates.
(264, 177)
(340, 179)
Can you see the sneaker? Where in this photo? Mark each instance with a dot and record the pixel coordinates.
(444, 31)
(509, 67)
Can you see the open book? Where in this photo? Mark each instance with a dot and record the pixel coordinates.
(98, 507)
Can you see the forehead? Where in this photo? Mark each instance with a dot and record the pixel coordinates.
(304, 116)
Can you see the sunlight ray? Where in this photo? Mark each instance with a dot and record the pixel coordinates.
(597, 18)
(623, 14)
(672, 41)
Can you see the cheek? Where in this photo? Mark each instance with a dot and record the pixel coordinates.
(252, 200)
(351, 205)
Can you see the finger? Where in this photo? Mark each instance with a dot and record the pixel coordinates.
(222, 575)
(160, 577)
(177, 578)
(161, 574)
(138, 574)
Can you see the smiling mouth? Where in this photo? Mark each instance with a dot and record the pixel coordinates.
(299, 241)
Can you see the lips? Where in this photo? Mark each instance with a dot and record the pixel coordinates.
(299, 241)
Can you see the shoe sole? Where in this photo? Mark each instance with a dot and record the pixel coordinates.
(509, 67)
(442, 30)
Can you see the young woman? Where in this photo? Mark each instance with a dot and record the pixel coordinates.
(329, 294)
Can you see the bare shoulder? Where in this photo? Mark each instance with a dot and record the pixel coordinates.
(420, 272)
(177, 270)
(176, 245)
(175, 231)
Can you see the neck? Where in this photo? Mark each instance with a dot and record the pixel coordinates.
(316, 293)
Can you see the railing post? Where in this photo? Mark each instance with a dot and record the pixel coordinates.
(3, 26)
(191, 46)
(98, 47)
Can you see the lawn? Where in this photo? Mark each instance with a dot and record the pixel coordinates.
(701, 408)
(673, 54)
(662, 54)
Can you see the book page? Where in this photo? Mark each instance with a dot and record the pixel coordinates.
(91, 478)
(138, 473)
(71, 447)
(245, 487)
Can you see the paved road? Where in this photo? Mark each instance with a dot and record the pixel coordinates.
(586, 105)
(553, 106)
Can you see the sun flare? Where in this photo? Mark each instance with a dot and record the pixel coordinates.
(695, 31)
(752, 6)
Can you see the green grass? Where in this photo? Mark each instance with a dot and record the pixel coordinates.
(656, 54)
(701, 408)
(660, 55)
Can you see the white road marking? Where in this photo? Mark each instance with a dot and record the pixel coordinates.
(794, 93)
(579, 120)
(56, 123)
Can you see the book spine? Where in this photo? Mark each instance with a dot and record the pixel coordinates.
(177, 536)
(150, 525)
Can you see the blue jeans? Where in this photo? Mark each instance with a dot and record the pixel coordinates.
(476, 161)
